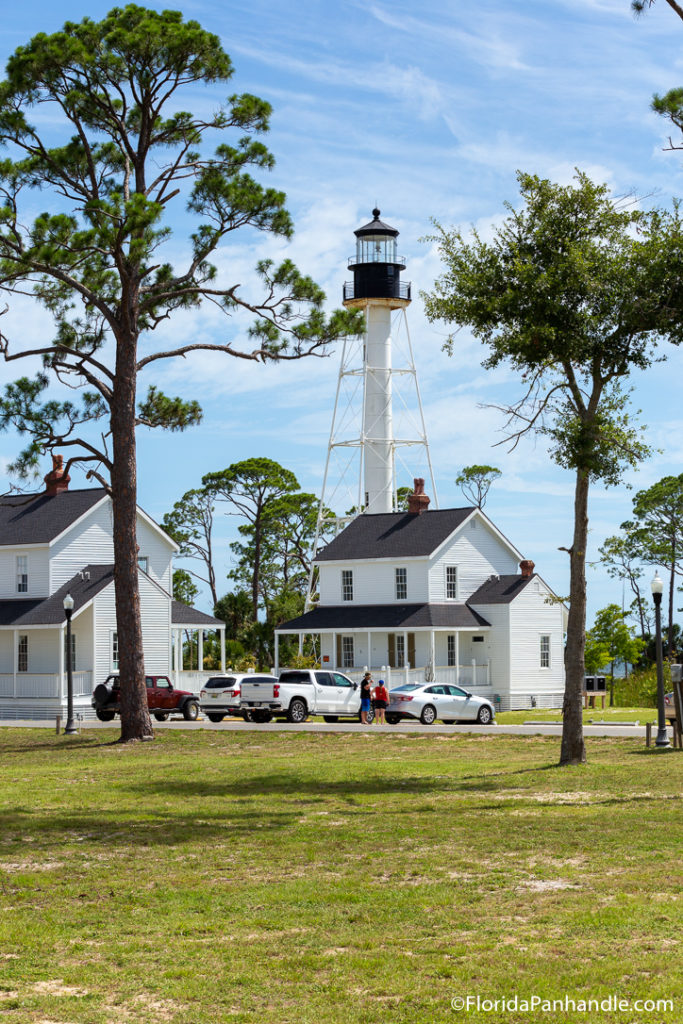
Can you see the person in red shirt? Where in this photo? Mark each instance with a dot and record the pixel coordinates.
(380, 701)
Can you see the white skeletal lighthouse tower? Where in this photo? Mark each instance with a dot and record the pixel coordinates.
(378, 428)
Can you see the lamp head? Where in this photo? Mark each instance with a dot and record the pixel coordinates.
(657, 586)
(68, 603)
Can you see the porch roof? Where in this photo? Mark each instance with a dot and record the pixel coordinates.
(186, 615)
(336, 618)
(49, 611)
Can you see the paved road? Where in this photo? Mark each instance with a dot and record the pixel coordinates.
(408, 728)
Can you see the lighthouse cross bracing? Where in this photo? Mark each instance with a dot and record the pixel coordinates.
(378, 438)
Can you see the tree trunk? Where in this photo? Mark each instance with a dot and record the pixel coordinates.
(573, 750)
(135, 720)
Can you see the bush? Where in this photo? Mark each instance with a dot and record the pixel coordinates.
(640, 689)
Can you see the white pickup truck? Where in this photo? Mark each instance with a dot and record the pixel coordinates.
(299, 693)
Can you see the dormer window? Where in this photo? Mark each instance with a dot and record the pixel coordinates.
(22, 574)
(347, 585)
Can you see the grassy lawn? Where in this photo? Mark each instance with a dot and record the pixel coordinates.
(641, 715)
(275, 877)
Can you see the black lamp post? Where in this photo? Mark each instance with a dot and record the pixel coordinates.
(662, 736)
(70, 728)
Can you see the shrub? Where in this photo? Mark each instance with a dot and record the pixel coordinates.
(640, 689)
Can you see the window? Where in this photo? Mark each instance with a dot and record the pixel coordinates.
(401, 584)
(347, 585)
(347, 652)
(400, 650)
(451, 649)
(451, 582)
(340, 680)
(115, 652)
(143, 562)
(22, 574)
(73, 653)
(22, 653)
(545, 651)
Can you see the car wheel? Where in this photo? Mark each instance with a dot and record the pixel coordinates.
(248, 716)
(105, 716)
(428, 716)
(484, 717)
(392, 719)
(213, 716)
(371, 716)
(161, 716)
(261, 716)
(191, 711)
(330, 718)
(298, 712)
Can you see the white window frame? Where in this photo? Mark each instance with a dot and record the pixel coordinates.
(544, 650)
(451, 583)
(114, 650)
(347, 584)
(451, 650)
(22, 652)
(401, 584)
(143, 562)
(347, 652)
(400, 649)
(22, 574)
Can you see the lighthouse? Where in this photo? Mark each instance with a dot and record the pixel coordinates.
(378, 439)
(377, 289)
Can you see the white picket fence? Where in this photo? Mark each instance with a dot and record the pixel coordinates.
(44, 684)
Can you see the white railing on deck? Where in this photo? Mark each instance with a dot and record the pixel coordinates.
(44, 684)
(474, 676)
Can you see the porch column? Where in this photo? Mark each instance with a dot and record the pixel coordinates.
(221, 631)
(432, 652)
(369, 659)
(15, 644)
(406, 663)
(334, 651)
(457, 657)
(488, 671)
(474, 671)
(62, 682)
(178, 655)
(200, 650)
(276, 640)
(301, 644)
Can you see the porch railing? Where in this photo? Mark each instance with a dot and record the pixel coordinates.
(469, 676)
(44, 684)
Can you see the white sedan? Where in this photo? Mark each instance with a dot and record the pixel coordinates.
(429, 701)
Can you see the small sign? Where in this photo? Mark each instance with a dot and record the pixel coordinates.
(326, 657)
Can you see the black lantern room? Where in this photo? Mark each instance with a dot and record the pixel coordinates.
(376, 267)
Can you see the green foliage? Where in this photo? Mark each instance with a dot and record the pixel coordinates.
(475, 482)
(183, 588)
(640, 688)
(190, 524)
(596, 654)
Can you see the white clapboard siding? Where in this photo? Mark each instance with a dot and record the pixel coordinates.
(38, 573)
(6, 651)
(91, 543)
(496, 645)
(155, 609)
(374, 582)
(478, 553)
(530, 617)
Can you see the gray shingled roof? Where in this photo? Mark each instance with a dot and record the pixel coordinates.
(185, 615)
(50, 610)
(394, 535)
(387, 616)
(39, 518)
(500, 589)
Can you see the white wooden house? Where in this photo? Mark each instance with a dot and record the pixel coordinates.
(60, 542)
(441, 594)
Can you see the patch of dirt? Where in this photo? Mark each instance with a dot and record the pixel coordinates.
(547, 885)
(31, 865)
(57, 987)
(8, 994)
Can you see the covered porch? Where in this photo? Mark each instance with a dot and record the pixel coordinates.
(186, 622)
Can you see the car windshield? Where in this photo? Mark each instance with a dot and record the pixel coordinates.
(406, 688)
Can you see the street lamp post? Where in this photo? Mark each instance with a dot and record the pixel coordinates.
(657, 588)
(70, 728)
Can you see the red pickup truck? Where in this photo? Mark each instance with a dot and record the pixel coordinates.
(162, 699)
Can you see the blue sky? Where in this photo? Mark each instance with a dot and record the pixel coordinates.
(427, 111)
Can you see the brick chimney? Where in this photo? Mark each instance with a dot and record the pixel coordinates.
(527, 567)
(56, 480)
(418, 502)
